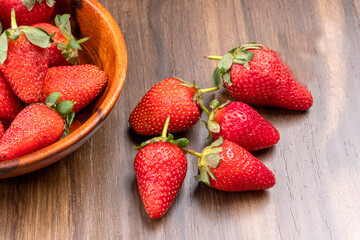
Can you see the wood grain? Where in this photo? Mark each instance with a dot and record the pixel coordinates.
(92, 193)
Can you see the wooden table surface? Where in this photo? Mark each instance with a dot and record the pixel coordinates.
(92, 193)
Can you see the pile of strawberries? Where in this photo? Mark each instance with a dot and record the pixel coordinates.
(41, 87)
(253, 74)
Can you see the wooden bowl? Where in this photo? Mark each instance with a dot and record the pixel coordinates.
(107, 50)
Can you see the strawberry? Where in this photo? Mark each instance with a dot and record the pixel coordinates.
(2, 131)
(226, 166)
(80, 84)
(256, 75)
(160, 167)
(172, 97)
(10, 105)
(28, 11)
(64, 49)
(25, 60)
(35, 127)
(239, 123)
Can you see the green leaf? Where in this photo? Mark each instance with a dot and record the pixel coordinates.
(37, 36)
(169, 138)
(61, 46)
(214, 104)
(227, 78)
(14, 35)
(0, 28)
(181, 142)
(204, 177)
(213, 160)
(197, 95)
(224, 104)
(212, 150)
(218, 142)
(233, 50)
(216, 77)
(226, 61)
(52, 99)
(66, 132)
(213, 126)
(244, 55)
(29, 4)
(73, 44)
(50, 3)
(63, 23)
(210, 173)
(239, 61)
(70, 118)
(64, 107)
(3, 47)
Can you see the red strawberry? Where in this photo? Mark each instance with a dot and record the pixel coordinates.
(171, 97)
(256, 75)
(80, 84)
(239, 123)
(2, 131)
(10, 105)
(160, 167)
(26, 60)
(35, 127)
(28, 11)
(64, 49)
(226, 166)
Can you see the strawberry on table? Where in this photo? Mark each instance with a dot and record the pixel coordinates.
(256, 75)
(28, 11)
(24, 60)
(160, 167)
(80, 84)
(239, 123)
(64, 49)
(172, 97)
(226, 166)
(35, 127)
(10, 105)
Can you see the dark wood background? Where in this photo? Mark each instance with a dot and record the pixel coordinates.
(92, 193)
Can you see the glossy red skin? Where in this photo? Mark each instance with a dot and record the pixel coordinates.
(10, 104)
(80, 84)
(160, 170)
(243, 125)
(2, 131)
(240, 171)
(55, 56)
(167, 98)
(34, 128)
(269, 82)
(25, 68)
(39, 13)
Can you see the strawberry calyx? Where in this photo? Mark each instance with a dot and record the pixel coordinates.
(70, 49)
(181, 142)
(239, 55)
(37, 36)
(208, 158)
(29, 4)
(211, 125)
(199, 94)
(63, 108)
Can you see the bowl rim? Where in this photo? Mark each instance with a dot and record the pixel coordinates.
(96, 118)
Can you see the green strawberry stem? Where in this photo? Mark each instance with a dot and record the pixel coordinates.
(13, 20)
(205, 109)
(199, 155)
(213, 57)
(164, 132)
(207, 90)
